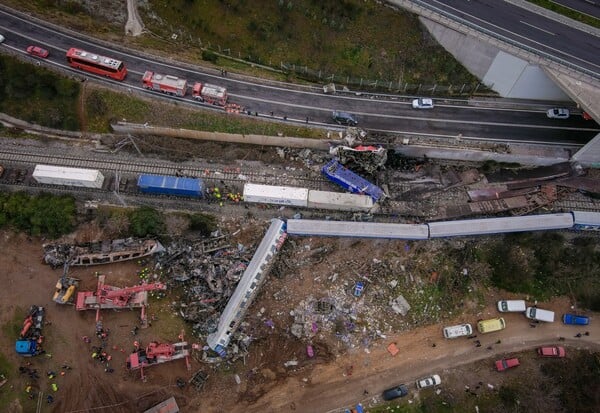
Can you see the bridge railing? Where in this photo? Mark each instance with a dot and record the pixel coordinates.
(564, 63)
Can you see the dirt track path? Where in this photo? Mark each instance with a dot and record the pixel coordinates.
(329, 389)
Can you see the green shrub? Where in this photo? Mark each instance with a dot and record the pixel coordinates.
(146, 221)
(203, 222)
(209, 56)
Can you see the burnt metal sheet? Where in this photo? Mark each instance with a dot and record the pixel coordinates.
(486, 194)
(524, 175)
(582, 183)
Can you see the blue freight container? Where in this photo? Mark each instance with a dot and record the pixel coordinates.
(354, 183)
(171, 185)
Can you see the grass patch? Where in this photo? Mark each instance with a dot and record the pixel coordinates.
(568, 12)
(51, 100)
(547, 264)
(7, 370)
(12, 328)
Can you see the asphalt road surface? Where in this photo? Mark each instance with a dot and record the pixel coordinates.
(479, 119)
(532, 30)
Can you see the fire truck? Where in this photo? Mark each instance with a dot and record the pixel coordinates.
(31, 338)
(215, 95)
(106, 297)
(168, 84)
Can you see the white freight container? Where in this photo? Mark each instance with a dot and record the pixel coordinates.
(281, 195)
(60, 175)
(339, 201)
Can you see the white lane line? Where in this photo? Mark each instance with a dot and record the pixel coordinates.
(499, 28)
(535, 27)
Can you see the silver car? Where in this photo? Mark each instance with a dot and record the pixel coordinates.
(558, 113)
(430, 381)
(422, 103)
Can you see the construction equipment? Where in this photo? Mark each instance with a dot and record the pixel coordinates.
(157, 353)
(107, 297)
(65, 287)
(30, 339)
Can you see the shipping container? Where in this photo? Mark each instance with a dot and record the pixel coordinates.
(281, 195)
(171, 185)
(60, 175)
(339, 201)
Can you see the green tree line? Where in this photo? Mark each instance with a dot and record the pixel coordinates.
(42, 214)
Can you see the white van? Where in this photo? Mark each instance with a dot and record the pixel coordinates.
(458, 331)
(538, 314)
(511, 306)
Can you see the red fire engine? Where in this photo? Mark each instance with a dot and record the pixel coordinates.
(215, 95)
(165, 83)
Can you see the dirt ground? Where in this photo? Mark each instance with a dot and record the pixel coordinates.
(335, 378)
(27, 281)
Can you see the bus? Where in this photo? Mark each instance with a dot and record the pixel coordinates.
(100, 65)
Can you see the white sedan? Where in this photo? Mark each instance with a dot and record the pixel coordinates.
(1, 38)
(422, 103)
(558, 113)
(429, 381)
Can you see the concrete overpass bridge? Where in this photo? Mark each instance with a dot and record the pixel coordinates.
(521, 51)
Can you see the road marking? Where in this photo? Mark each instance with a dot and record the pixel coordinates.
(535, 27)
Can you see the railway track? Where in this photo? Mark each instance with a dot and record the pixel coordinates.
(160, 167)
(22, 160)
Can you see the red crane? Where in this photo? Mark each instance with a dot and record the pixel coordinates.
(107, 296)
(157, 353)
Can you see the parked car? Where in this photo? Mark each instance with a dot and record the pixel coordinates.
(344, 118)
(491, 325)
(586, 116)
(430, 381)
(558, 113)
(552, 351)
(399, 391)
(510, 306)
(538, 314)
(578, 320)
(37, 51)
(1, 38)
(505, 364)
(458, 331)
(422, 103)
(358, 289)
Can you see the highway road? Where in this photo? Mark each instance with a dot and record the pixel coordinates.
(532, 30)
(589, 7)
(495, 119)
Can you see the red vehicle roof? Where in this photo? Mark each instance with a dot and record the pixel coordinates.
(552, 351)
(505, 364)
(37, 51)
